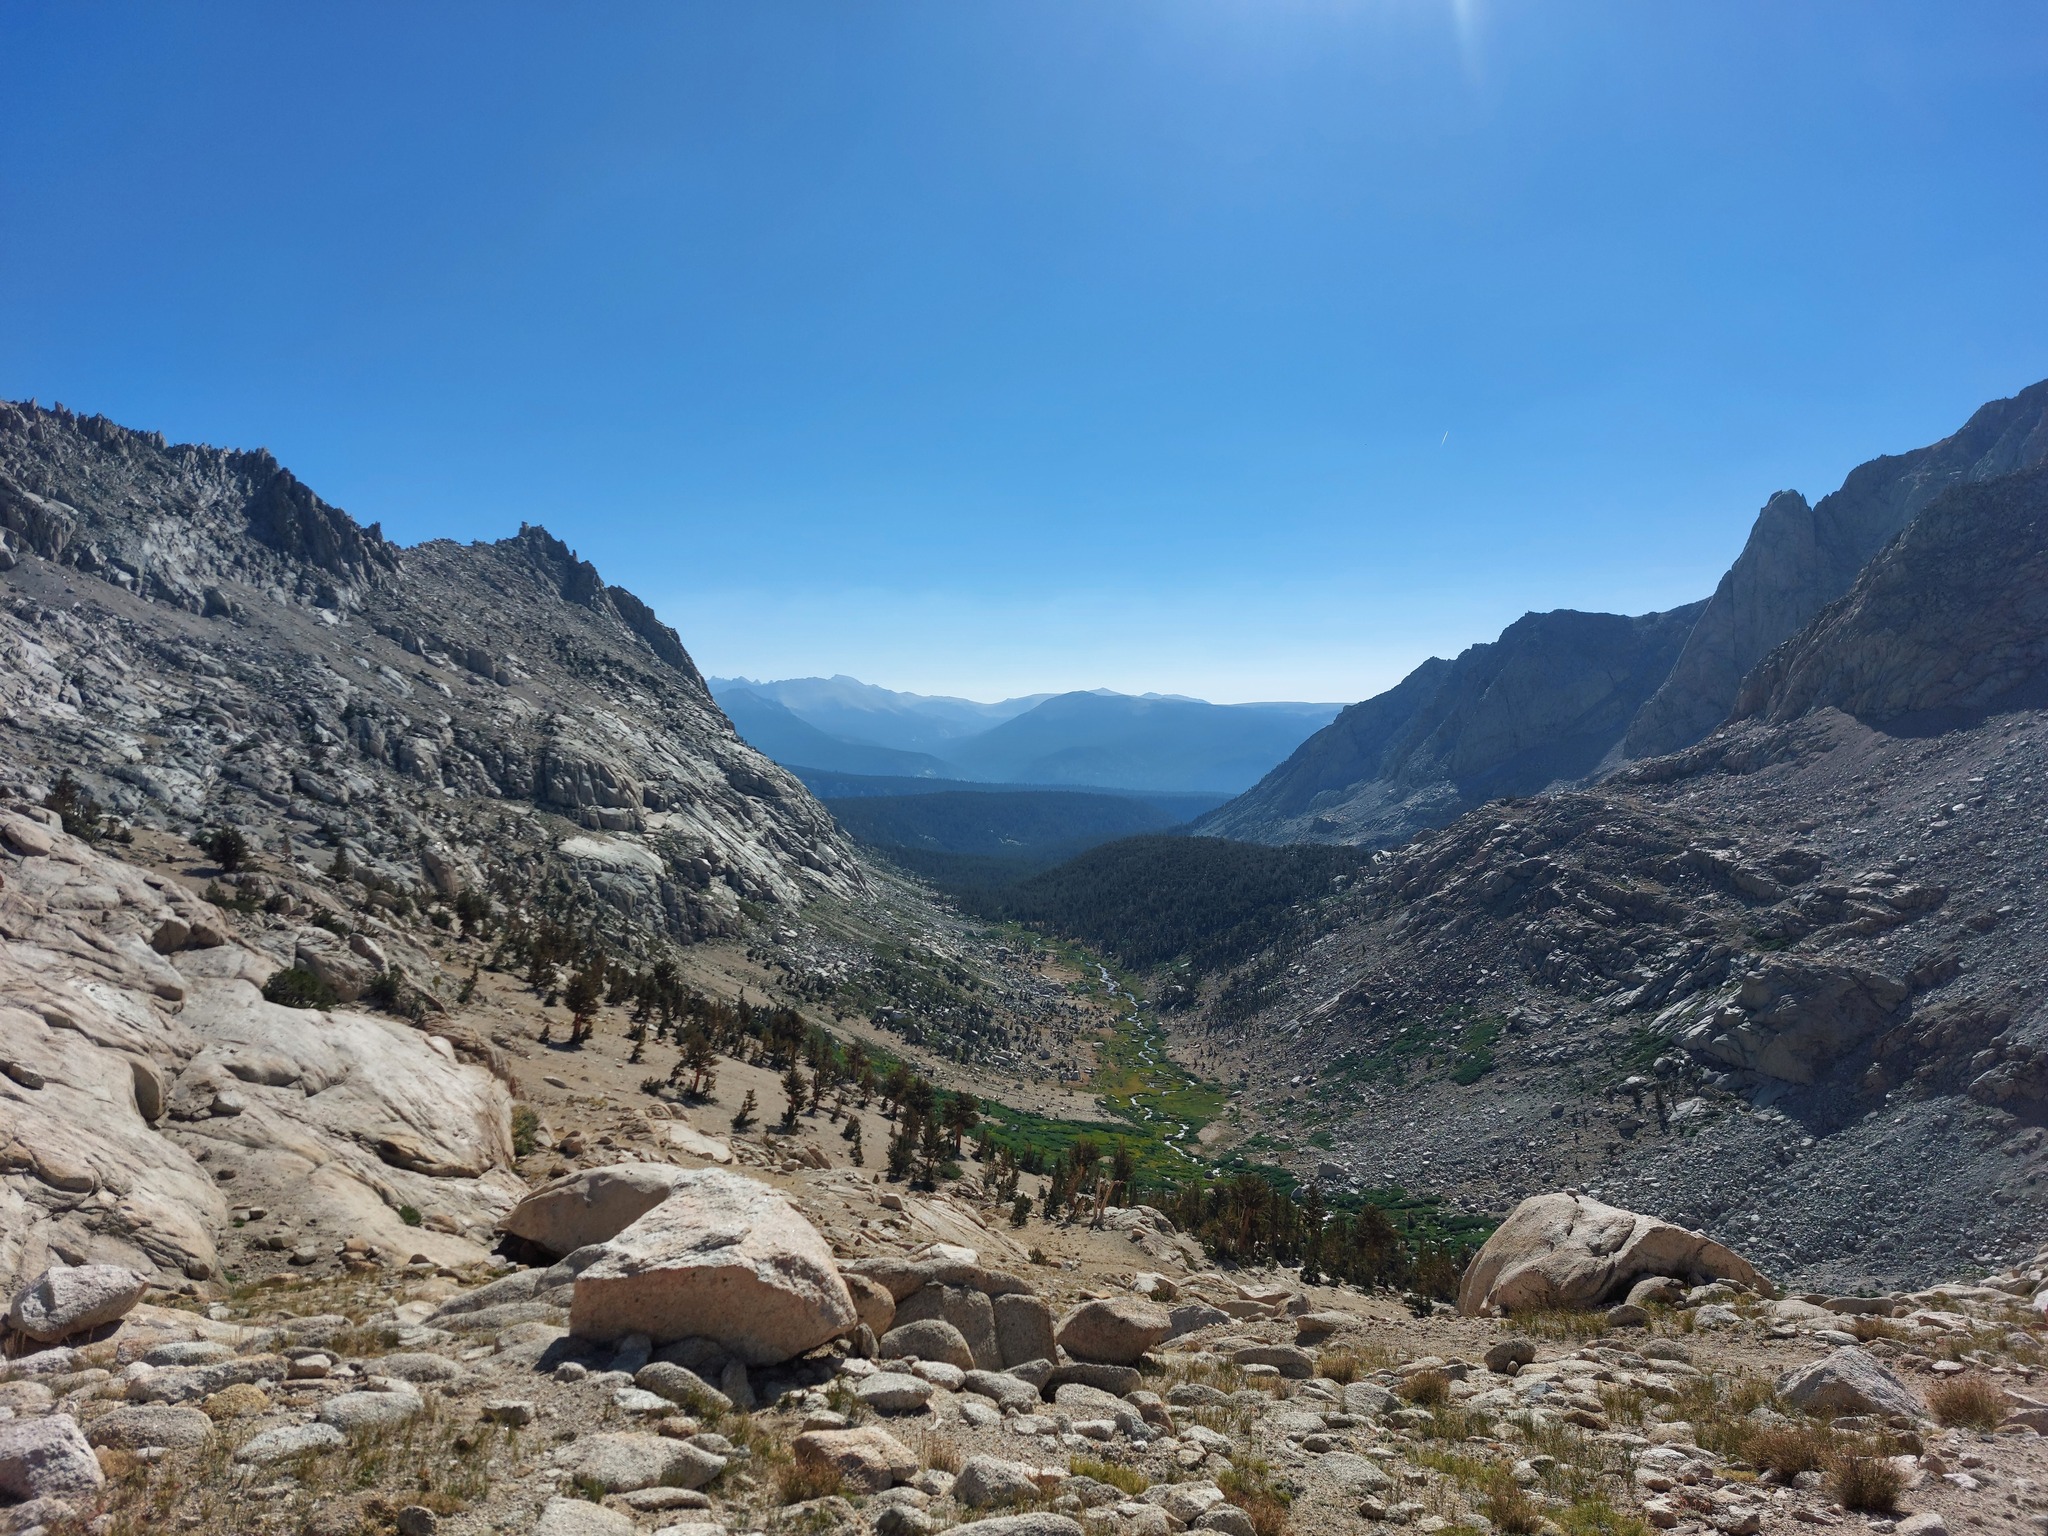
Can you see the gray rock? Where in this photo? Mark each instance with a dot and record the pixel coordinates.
(1005, 1390)
(47, 1457)
(966, 1309)
(1189, 1316)
(1509, 1354)
(1290, 1361)
(894, 1392)
(930, 1339)
(681, 1385)
(1113, 1379)
(66, 1299)
(416, 1367)
(1226, 1518)
(354, 1411)
(128, 1429)
(1848, 1382)
(1038, 1523)
(515, 1411)
(985, 1480)
(289, 1440)
(620, 1463)
(189, 1352)
(1114, 1331)
(577, 1517)
(1024, 1329)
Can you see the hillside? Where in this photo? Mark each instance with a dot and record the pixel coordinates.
(1784, 981)
(1543, 704)
(865, 715)
(201, 641)
(1563, 697)
(775, 731)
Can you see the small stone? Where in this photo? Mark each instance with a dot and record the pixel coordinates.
(867, 1459)
(577, 1517)
(508, 1410)
(243, 1400)
(986, 1480)
(416, 1520)
(371, 1410)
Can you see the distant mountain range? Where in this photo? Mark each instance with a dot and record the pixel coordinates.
(1097, 739)
(1563, 697)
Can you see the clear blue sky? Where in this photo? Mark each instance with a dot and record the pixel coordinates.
(1243, 350)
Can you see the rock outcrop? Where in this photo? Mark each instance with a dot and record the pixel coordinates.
(141, 1083)
(1566, 1250)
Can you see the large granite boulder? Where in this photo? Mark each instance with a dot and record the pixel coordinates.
(593, 1205)
(724, 1257)
(1565, 1250)
(1114, 1331)
(74, 1298)
(1848, 1381)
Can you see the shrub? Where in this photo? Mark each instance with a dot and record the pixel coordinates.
(1427, 1389)
(227, 848)
(409, 1214)
(1249, 1485)
(525, 1130)
(1868, 1484)
(297, 987)
(1788, 1449)
(1341, 1365)
(1969, 1401)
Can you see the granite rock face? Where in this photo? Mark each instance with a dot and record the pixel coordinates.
(1799, 559)
(425, 705)
(145, 1062)
(1951, 620)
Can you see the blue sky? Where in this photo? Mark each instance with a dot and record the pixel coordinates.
(1245, 350)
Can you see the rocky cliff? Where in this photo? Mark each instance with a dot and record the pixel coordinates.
(1564, 697)
(1541, 705)
(1800, 558)
(200, 640)
(1949, 622)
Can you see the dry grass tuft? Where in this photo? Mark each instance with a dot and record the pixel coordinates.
(1427, 1389)
(1969, 1401)
(1868, 1484)
(798, 1482)
(1507, 1503)
(1788, 1449)
(1129, 1479)
(939, 1452)
(1249, 1485)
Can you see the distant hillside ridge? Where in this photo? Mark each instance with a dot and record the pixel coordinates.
(1566, 698)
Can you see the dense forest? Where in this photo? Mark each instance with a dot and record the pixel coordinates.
(1009, 825)
(1155, 900)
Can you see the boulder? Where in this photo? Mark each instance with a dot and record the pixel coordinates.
(867, 1460)
(968, 1310)
(723, 1257)
(578, 1517)
(1114, 1331)
(1509, 1355)
(894, 1392)
(682, 1386)
(1004, 1390)
(931, 1339)
(591, 1206)
(1848, 1382)
(1564, 1250)
(985, 1480)
(47, 1458)
(289, 1440)
(1315, 1327)
(353, 1411)
(1041, 1522)
(130, 1429)
(1024, 1329)
(74, 1298)
(1294, 1363)
(871, 1301)
(620, 1463)
(1190, 1315)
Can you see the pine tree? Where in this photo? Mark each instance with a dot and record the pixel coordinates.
(747, 1114)
(798, 1091)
